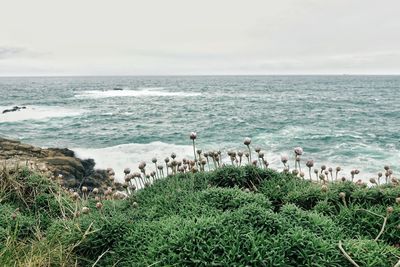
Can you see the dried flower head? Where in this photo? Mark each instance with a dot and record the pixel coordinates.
(95, 191)
(193, 135)
(127, 171)
(173, 155)
(85, 210)
(84, 189)
(166, 160)
(154, 160)
(99, 205)
(342, 195)
(298, 151)
(142, 165)
(247, 141)
(387, 167)
(310, 163)
(389, 210)
(372, 180)
(284, 159)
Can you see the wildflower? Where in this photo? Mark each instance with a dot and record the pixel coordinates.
(372, 181)
(142, 165)
(302, 175)
(127, 171)
(386, 167)
(135, 205)
(95, 191)
(343, 179)
(295, 172)
(99, 205)
(166, 160)
(338, 169)
(247, 142)
(173, 155)
(193, 135)
(398, 200)
(298, 151)
(84, 189)
(310, 164)
(257, 149)
(389, 210)
(75, 196)
(85, 210)
(342, 195)
(284, 159)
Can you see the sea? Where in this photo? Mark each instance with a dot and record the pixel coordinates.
(347, 121)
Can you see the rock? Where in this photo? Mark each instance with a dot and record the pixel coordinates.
(16, 108)
(55, 161)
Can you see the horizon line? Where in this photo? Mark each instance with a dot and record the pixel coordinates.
(189, 75)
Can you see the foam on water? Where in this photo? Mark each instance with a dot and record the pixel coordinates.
(148, 92)
(130, 155)
(37, 113)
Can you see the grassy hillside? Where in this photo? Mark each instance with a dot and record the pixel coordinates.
(233, 216)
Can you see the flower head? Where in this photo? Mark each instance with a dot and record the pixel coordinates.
(247, 141)
(298, 151)
(193, 135)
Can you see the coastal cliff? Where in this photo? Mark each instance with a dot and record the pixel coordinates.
(53, 162)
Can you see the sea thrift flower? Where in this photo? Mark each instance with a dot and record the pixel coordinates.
(310, 164)
(84, 189)
(398, 200)
(298, 151)
(372, 181)
(85, 210)
(302, 175)
(127, 171)
(247, 142)
(316, 173)
(99, 205)
(338, 169)
(284, 160)
(323, 168)
(257, 149)
(389, 210)
(173, 155)
(95, 191)
(142, 166)
(193, 136)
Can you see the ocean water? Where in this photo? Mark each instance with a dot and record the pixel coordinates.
(347, 121)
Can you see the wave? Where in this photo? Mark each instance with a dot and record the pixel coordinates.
(130, 155)
(37, 113)
(148, 92)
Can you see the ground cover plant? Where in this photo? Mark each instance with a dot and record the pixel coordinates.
(203, 213)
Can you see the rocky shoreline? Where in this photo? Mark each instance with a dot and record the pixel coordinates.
(53, 162)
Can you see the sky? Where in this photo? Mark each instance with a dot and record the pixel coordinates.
(207, 37)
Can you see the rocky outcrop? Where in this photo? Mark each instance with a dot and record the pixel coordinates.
(13, 109)
(53, 162)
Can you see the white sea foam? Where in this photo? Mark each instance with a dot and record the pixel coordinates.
(129, 155)
(147, 92)
(37, 113)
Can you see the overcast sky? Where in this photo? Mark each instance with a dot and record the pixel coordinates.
(167, 37)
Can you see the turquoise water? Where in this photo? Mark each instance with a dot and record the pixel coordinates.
(351, 121)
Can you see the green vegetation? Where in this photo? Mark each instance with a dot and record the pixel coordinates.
(232, 216)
